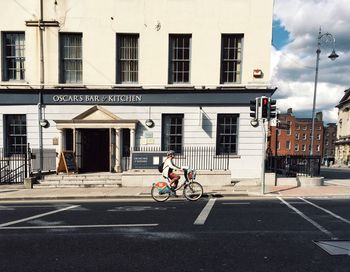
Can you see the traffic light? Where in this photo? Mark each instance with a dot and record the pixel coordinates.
(264, 107)
(254, 109)
(272, 109)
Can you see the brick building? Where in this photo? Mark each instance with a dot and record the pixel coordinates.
(297, 139)
(330, 136)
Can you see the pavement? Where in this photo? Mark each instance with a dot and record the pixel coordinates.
(17, 192)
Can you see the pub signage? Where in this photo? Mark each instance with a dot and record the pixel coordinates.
(97, 98)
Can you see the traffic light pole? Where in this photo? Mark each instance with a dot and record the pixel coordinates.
(263, 159)
(262, 108)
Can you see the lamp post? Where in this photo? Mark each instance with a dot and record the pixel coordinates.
(325, 38)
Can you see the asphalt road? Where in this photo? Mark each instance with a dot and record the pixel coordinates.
(208, 235)
(340, 176)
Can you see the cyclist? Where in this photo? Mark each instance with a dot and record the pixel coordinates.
(169, 170)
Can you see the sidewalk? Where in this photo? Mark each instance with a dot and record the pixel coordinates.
(18, 192)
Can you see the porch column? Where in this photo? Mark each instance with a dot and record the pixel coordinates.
(117, 166)
(132, 138)
(74, 141)
(132, 143)
(61, 140)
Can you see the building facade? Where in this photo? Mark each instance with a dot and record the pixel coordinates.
(297, 139)
(103, 79)
(330, 137)
(342, 144)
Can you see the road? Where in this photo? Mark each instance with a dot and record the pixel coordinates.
(336, 175)
(209, 235)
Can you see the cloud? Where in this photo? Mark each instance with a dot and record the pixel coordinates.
(294, 64)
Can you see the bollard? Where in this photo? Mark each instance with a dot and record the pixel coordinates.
(28, 183)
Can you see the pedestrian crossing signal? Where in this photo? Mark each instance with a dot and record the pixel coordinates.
(254, 109)
(264, 108)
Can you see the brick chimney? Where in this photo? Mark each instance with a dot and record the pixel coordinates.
(290, 111)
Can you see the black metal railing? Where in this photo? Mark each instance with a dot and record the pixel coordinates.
(14, 168)
(292, 166)
(197, 157)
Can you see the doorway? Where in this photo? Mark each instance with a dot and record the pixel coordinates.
(94, 150)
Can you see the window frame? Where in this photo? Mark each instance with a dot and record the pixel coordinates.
(165, 141)
(237, 61)
(11, 149)
(303, 147)
(288, 145)
(62, 58)
(296, 147)
(120, 60)
(219, 150)
(6, 57)
(171, 60)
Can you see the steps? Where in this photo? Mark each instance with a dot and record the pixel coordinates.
(89, 180)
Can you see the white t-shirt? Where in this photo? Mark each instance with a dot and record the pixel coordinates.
(168, 164)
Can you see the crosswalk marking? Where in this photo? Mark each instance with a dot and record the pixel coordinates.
(79, 226)
(327, 211)
(236, 203)
(325, 231)
(37, 216)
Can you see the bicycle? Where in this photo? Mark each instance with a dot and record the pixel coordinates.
(192, 190)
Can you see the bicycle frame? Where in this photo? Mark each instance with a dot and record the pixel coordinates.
(189, 175)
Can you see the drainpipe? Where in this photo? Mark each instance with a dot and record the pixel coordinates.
(42, 81)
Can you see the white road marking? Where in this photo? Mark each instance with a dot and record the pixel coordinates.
(236, 203)
(139, 208)
(37, 216)
(6, 208)
(335, 247)
(325, 231)
(79, 226)
(327, 211)
(202, 217)
(30, 206)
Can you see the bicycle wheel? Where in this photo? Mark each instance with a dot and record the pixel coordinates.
(158, 195)
(193, 191)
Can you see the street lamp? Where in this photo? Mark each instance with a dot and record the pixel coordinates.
(322, 38)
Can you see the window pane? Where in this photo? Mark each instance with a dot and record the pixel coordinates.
(180, 58)
(14, 57)
(127, 64)
(231, 58)
(172, 132)
(227, 133)
(71, 58)
(15, 133)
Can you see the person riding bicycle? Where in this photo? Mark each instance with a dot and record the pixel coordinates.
(169, 170)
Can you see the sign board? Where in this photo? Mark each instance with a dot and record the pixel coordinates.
(146, 160)
(66, 162)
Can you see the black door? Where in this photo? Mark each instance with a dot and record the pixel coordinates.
(94, 150)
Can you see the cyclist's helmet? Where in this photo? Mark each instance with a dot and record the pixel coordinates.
(170, 153)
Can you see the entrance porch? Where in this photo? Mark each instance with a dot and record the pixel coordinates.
(98, 138)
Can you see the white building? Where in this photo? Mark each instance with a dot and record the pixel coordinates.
(100, 69)
(342, 145)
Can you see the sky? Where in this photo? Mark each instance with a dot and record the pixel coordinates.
(295, 30)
